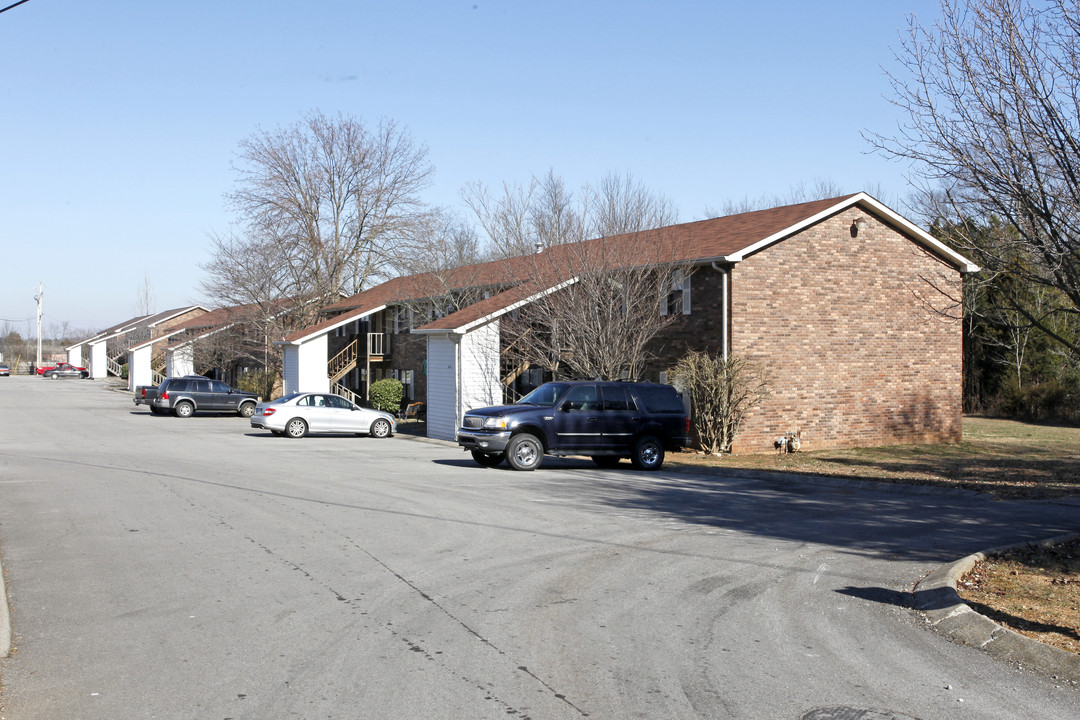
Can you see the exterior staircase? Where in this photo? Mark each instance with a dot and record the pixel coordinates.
(113, 366)
(341, 364)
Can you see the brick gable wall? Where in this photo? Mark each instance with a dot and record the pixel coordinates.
(851, 331)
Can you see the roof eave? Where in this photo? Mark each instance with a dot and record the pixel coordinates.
(921, 236)
(472, 325)
(346, 318)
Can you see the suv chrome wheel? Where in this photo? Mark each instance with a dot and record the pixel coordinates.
(524, 452)
(184, 409)
(648, 453)
(247, 409)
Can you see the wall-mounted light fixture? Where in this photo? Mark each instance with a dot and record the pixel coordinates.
(857, 225)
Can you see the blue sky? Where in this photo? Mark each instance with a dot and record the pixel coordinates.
(119, 120)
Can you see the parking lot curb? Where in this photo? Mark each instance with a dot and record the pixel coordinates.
(937, 598)
(5, 618)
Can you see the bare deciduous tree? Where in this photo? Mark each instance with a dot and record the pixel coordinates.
(323, 207)
(441, 271)
(622, 204)
(819, 189)
(443, 242)
(609, 304)
(546, 214)
(606, 308)
(990, 93)
(144, 297)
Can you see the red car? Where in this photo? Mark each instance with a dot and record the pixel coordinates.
(42, 369)
(64, 370)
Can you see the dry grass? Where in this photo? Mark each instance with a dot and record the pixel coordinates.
(1005, 458)
(1034, 590)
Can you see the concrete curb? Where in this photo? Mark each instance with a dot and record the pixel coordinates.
(5, 619)
(937, 598)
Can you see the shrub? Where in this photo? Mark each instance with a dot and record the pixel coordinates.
(260, 382)
(386, 395)
(1051, 400)
(722, 390)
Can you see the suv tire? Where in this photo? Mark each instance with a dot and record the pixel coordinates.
(487, 459)
(247, 409)
(524, 452)
(184, 409)
(648, 453)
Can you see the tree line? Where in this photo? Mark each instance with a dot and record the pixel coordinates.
(989, 94)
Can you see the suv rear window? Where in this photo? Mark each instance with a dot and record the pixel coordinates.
(178, 385)
(660, 399)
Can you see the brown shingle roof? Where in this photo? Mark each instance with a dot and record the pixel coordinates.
(732, 237)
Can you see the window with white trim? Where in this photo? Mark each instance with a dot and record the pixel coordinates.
(678, 300)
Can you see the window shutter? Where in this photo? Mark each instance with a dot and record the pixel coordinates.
(686, 295)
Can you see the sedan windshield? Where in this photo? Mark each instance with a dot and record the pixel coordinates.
(545, 395)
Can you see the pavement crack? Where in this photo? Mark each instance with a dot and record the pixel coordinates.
(469, 629)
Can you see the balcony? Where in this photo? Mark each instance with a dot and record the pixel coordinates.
(377, 345)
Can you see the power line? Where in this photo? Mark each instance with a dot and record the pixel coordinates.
(13, 5)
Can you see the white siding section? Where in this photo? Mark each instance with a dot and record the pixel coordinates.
(99, 367)
(442, 403)
(479, 371)
(179, 361)
(311, 365)
(290, 364)
(463, 373)
(140, 371)
(75, 355)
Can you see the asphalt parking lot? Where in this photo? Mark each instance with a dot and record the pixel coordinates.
(167, 568)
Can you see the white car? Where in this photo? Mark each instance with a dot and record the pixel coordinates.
(298, 414)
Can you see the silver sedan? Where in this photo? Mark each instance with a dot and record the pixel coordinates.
(298, 414)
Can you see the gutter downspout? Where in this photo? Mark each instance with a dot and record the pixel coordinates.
(725, 309)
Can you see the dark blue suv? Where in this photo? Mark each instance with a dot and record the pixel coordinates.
(607, 421)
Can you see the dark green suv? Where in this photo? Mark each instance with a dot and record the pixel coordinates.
(606, 421)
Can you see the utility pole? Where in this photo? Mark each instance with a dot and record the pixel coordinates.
(40, 295)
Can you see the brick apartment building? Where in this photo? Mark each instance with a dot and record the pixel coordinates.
(853, 308)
